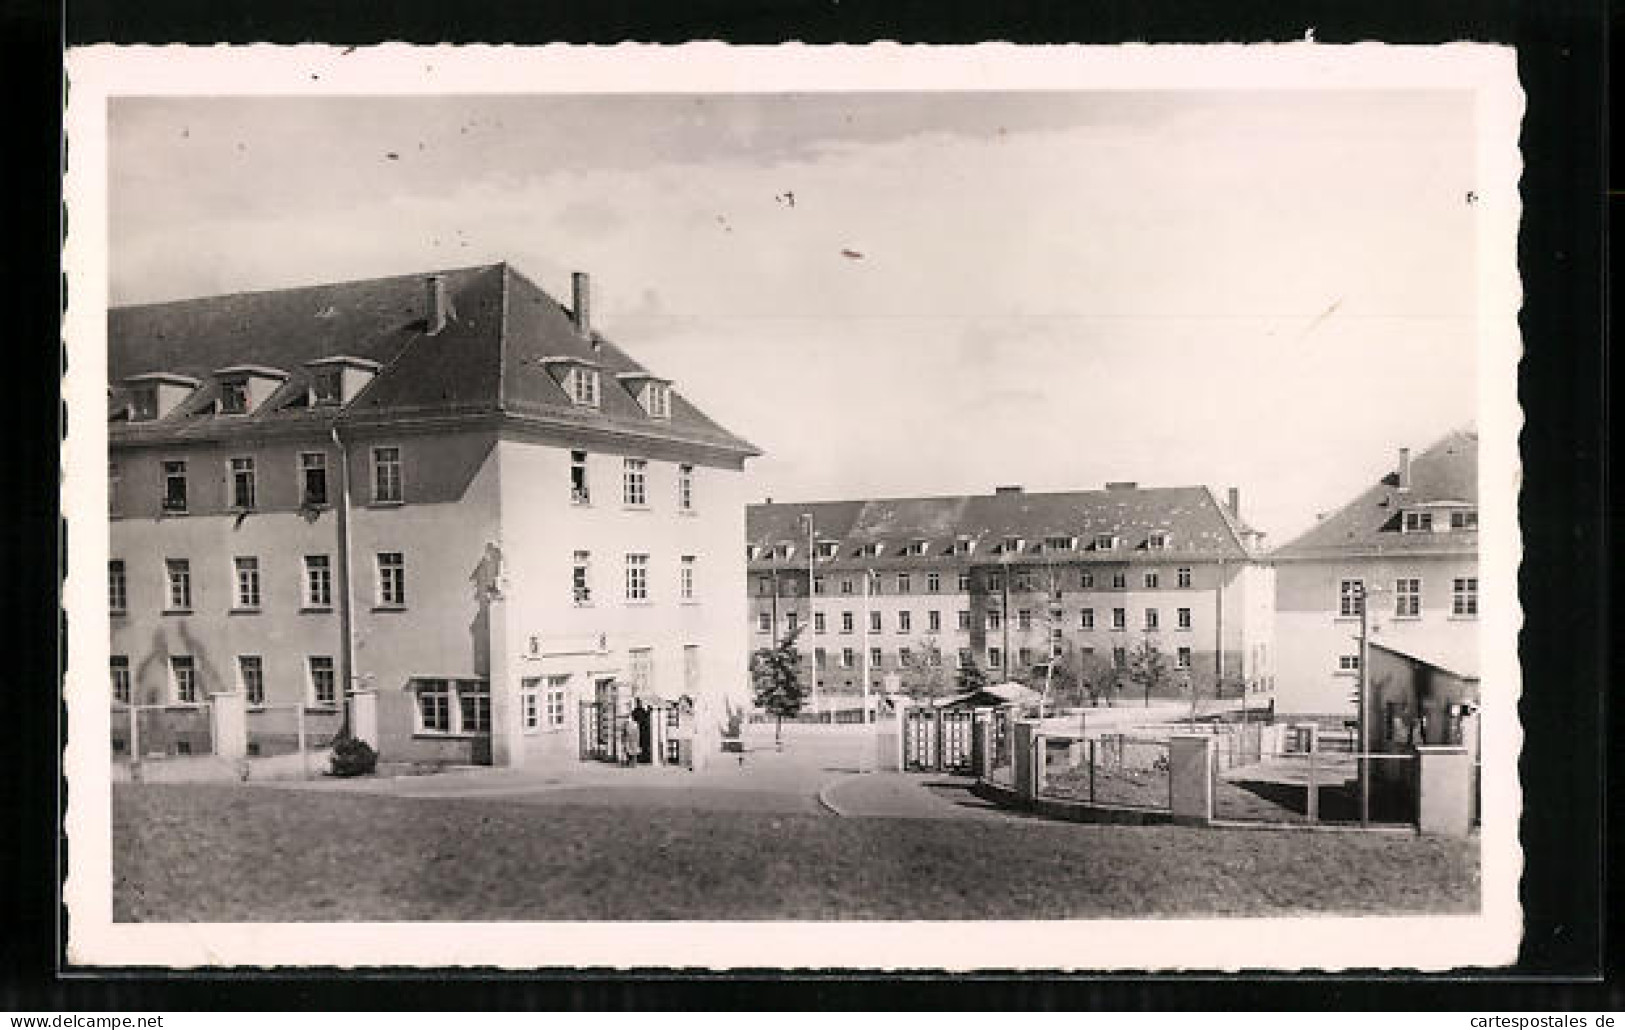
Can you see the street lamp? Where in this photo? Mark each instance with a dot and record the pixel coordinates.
(812, 655)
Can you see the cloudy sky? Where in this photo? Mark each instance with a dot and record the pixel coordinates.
(895, 293)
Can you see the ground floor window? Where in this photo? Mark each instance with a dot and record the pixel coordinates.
(453, 707)
(251, 670)
(184, 675)
(119, 668)
(323, 681)
(542, 700)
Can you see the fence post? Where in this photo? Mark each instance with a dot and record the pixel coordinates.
(228, 725)
(1190, 779)
(1091, 771)
(135, 741)
(299, 731)
(1312, 802)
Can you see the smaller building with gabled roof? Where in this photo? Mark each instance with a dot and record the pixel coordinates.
(1406, 550)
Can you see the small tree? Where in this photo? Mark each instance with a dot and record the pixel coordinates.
(1097, 678)
(971, 676)
(926, 675)
(776, 674)
(1148, 667)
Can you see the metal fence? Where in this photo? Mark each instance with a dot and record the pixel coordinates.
(1318, 786)
(1111, 769)
(161, 731)
(289, 729)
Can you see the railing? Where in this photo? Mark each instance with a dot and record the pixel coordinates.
(141, 732)
(1110, 769)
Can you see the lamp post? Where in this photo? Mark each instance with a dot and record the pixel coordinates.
(1362, 722)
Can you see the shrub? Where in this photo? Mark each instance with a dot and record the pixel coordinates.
(353, 757)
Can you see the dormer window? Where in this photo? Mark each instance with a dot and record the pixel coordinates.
(1467, 518)
(1059, 543)
(155, 395)
(1157, 542)
(657, 400)
(1012, 545)
(915, 548)
(871, 550)
(234, 396)
(964, 546)
(1105, 541)
(583, 386)
(752, 552)
(1419, 522)
(785, 552)
(827, 548)
(337, 379)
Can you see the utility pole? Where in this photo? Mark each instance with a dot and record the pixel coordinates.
(1004, 605)
(812, 655)
(863, 659)
(1365, 685)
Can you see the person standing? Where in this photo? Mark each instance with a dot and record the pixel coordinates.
(631, 741)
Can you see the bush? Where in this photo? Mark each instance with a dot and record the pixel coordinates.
(353, 757)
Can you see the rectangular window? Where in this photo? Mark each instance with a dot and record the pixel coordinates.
(1105, 541)
(874, 622)
(872, 584)
(1183, 578)
(1464, 596)
(995, 582)
(1119, 581)
(846, 622)
(635, 483)
(175, 486)
(1024, 619)
(995, 619)
(391, 579)
(118, 667)
(1464, 519)
(966, 657)
(1157, 542)
(1086, 619)
(1086, 580)
(1120, 657)
(964, 619)
(233, 396)
(323, 683)
(318, 581)
(905, 657)
(1024, 657)
(1419, 522)
(242, 483)
(818, 622)
(1055, 642)
(685, 577)
(790, 587)
(903, 583)
(1151, 619)
(553, 715)
(113, 480)
(474, 706)
(818, 585)
(1350, 598)
(933, 622)
(964, 582)
(1024, 582)
(183, 676)
(846, 586)
(530, 706)
(1407, 598)
(1348, 663)
(820, 657)
(580, 493)
(685, 488)
(118, 597)
(584, 386)
(179, 573)
(849, 658)
(637, 577)
(1183, 618)
(1119, 618)
(386, 475)
(248, 583)
(1182, 658)
(764, 622)
(995, 658)
(1151, 580)
(792, 622)
(313, 478)
(251, 673)
(327, 386)
(827, 548)
(905, 621)
(933, 582)
(581, 577)
(659, 400)
(764, 586)
(434, 706)
(876, 659)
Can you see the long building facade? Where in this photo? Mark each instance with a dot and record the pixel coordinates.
(447, 490)
(904, 593)
(1406, 552)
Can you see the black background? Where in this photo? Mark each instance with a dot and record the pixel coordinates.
(1566, 644)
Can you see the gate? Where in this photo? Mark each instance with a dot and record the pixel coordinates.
(919, 739)
(956, 736)
(596, 725)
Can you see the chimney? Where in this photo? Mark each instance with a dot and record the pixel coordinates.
(1404, 468)
(436, 310)
(1122, 484)
(1235, 502)
(1000, 491)
(581, 287)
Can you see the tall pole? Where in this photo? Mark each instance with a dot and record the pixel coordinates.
(346, 681)
(812, 655)
(863, 659)
(1004, 614)
(1364, 762)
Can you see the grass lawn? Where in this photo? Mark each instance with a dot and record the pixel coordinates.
(211, 852)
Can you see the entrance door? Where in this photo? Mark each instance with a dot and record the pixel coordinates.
(640, 715)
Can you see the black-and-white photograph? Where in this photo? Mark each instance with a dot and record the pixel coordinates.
(628, 506)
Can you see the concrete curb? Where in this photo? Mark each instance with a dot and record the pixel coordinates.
(825, 788)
